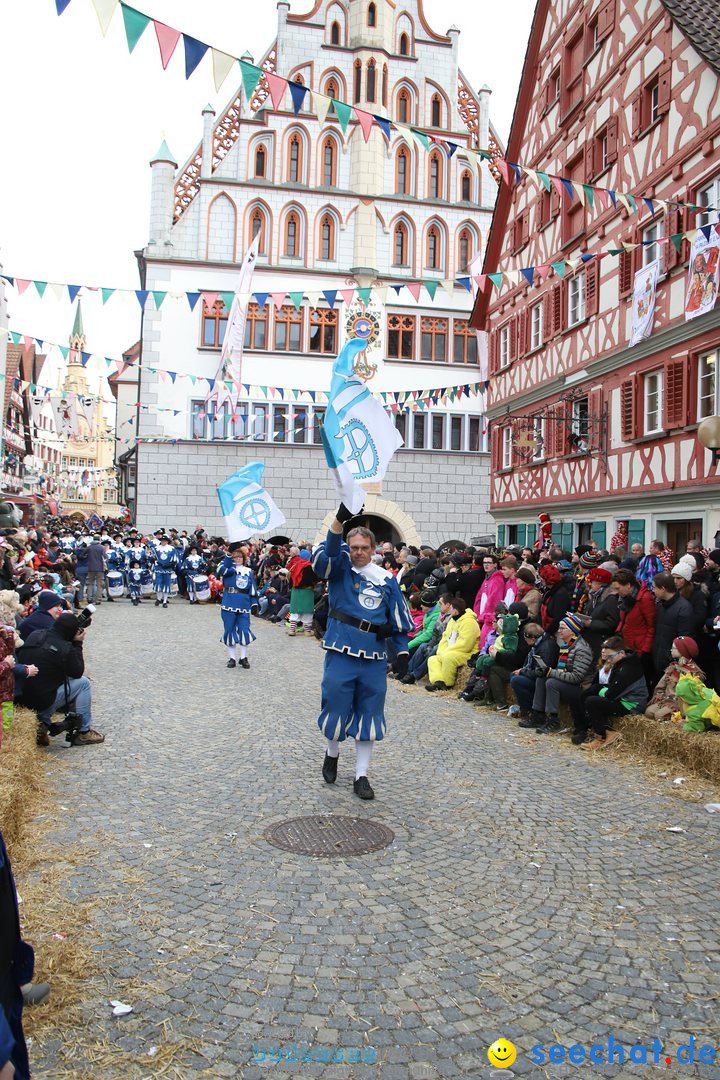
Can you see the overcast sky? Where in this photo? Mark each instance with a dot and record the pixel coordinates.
(82, 119)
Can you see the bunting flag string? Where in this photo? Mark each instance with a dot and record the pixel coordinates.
(512, 172)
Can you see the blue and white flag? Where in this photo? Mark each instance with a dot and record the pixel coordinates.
(358, 435)
(246, 505)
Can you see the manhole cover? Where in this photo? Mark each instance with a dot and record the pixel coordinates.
(330, 837)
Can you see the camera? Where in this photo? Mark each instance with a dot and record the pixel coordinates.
(85, 616)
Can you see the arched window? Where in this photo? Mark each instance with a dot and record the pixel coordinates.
(466, 187)
(400, 256)
(329, 178)
(370, 88)
(331, 89)
(402, 179)
(335, 33)
(357, 81)
(372, 17)
(464, 250)
(260, 162)
(404, 45)
(433, 248)
(257, 225)
(292, 235)
(435, 183)
(435, 111)
(327, 237)
(403, 107)
(295, 159)
(385, 86)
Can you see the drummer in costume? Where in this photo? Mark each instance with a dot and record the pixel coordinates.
(114, 564)
(166, 560)
(135, 579)
(192, 564)
(238, 597)
(366, 609)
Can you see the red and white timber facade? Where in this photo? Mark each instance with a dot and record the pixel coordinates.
(623, 94)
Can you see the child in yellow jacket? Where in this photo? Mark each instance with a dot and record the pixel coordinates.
(457, 645)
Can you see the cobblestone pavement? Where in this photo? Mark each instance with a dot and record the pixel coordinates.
(529, 893)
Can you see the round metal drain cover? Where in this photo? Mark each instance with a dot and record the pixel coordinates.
(330, 837)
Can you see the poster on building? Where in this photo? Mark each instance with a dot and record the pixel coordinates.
(65, 415)
(702, 284)
(643, 303)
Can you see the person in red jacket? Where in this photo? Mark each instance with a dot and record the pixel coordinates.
(637, 616)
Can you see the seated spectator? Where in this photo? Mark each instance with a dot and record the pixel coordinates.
(458, 643)
(504, 656)
(427, 601)
(562, 682)
(618, 688)
(49, 606)
(475, 688)
(471, 578)
(673, 618)
(542, 647)
(555, 602)
(417, 613)
(665, 701)
(528, 592)
(600, 614)
(421, 652)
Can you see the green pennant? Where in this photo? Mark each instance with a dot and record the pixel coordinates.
(41, 287)
(228, 383)
(559, 267)
(152, 370)
(295, 394)
(33, 387)
(364, 295)
(424, 139)
(193, 379)
(227, 299)
(431, 287)
(496, 279)
(250, 77)
(158, 297)
(615, 251)
(343, 112)
(677, 239)
(263, 391)
(64, 349)
(420, 404)
(106, 294)
(15, 337)
(297, 299)
(590, 192)
(545, 180)
(135, 23)
(633, 203)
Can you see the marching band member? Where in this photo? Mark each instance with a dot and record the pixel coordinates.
(166, 561)
(192, 564)
(135, 574)
(239, 595)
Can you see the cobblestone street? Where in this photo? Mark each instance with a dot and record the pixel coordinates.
(529, 893)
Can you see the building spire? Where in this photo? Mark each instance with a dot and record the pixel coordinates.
(77, 338)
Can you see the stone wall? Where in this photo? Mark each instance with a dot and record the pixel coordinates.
(445, 495)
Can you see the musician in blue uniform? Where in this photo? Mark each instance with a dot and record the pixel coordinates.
(239, 596)
(135, 576)
(366, 610)
(192, 564)
(166, 560)
(139, 554)
(114, 562)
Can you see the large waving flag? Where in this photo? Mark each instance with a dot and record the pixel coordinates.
(358, 435)
(230, 368)
(246, 505)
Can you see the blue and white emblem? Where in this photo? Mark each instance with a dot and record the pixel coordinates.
(370, 597)
(254, 513)
(358, 452)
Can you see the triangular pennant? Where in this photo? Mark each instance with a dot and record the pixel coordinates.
(41, 286)
(348, 295)
(530, 173)
(567, 187)
(278, 299)
(557, 184)
(503, 169)
(297, 93)
(516, 169)
(73, 290)
(464, 282)
(579, 191)
(677, 241)
(173, 376)
(105, 9)
(194, 52)
(192, 299)
(250, 77)
(222, 64)
(383, 124)
(431, 287)
(448, 284)
(706, 230)
(649, 204)
(158, 297)
(296, 299)
(330, 297)
(421, 138)
(364, 296)
(210, 299)
(451, 148)
(613, 198)
(343, 112)
(321, 105)
(413, 287)
(167, 39)
(632, 203)
(135, 25)
(21, 285)
(61, 5)
(65, 350)
(482, 280)
(366, 122)
(142, 295)
(544, 180)
(106, 294)
(602, 197)
(559, 267)
(589, 194)
(261, 300)
(528, 272)
(228, 297)
(512, 276)
(277, 88)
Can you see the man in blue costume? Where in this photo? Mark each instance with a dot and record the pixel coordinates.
(366, 610)
(238, 598)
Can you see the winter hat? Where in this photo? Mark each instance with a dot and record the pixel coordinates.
(572, 623)
(526, 575)
(550, 574)
(564, 565)
(599, 574)
(411, 560)
(67, 625)
(687, 647)
(682, 569)
(588, 559)
(501, 608)
(581, 549)
(715, 556)
(428, 596)
(48, 600)
(304, 554)
(690, 560)
(518, 608)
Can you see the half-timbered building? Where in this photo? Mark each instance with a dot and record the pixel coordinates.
(623, 96)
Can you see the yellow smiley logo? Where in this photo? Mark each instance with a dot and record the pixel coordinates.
(502, 1054)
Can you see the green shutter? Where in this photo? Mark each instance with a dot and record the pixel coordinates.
(599, 534)
(556, 533)
(521, 535)
(636, 532)
(532, 533)
(566, 534)
(501, 536)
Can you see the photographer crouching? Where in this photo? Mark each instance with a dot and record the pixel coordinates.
(60, 683)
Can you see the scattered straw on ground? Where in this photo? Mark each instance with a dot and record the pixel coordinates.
(23, 781)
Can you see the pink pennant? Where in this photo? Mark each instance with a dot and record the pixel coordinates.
(22, 284)
(366, 122)
(557, 184)
(542, 271)
(414, 288)
(602, 197)
(120, 366)
(167, 40)
(481, 280)
(210, 299)
(504, 169)
(348, 295)
(277, 88)
(27, 340)
(278, 298)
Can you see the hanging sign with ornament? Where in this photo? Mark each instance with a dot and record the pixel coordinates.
(362, 322)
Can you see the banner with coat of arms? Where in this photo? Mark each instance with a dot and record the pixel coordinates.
(643, 302)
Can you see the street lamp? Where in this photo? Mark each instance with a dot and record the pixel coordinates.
(708, 434)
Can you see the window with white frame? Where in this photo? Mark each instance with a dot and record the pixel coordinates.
(477, 434)
(651, 243)
(536, 325)
(259, 424)
(654, 102)
(539, 437)
(456, 433)
(707, 384)
(709, 195)
(507, 447)
(504, 346)
(653, 402)
(419, 426)
(576, 299)
(438, 431)
(299, 424)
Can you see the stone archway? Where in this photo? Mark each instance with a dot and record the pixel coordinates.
(377, 506)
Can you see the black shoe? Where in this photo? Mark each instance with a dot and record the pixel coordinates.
(231, 663)
(579, 738)
(464, 696)
(329, 769)
(111, 599)
(534, 720)
(244, 662)
(554, 726)
(165, 603)
(432, 686)
(362, 788)
(408, 680)
(157, 603)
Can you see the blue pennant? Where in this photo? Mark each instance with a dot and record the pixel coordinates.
(261, 298)
(6, 278)
(142, 295)
(84, 357)
(568, 187)
(297, 93)
(465, 282)
(613, 198)
(73, 290)
(397, 288)
(194, 52)
(452, 147)
(61, 5)
(383, 123)
(587, 258)
(649, 204)
(706, 230)
(528, 272)
(516, 170)
(331, 296)
(193, 298)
